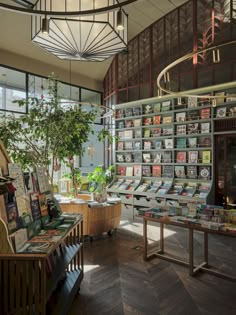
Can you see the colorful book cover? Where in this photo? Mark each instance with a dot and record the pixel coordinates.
(147, 121)
(120, 145)
(156, 170)
(128, 145)
(121, 170)
(167, 131)
(205, 113)
(128, 123)
(181, 129)
(193, 128)
(165, 106)
(156, 120)
(147, 170)
(167, 171)
(192, 171)
(35, 209)
(128, 157)
(158, 144)
(156, 132)
(181, 157)
(206, 157)
(181, 143)
(157, 157)
(192, 142)
(167, 157)
(147, 108)
(193, 156)
(129, 171)
(43, 204)
(180, 116)
(180, 171)
(193, 115)
(147, 145)
(120, 157)
(168, 143)
(192, 101)
(146, 157)
(204, 172)
(167, 119)
(137, 170)
(137, 111)
(137, 122)
(147, 133)
(156, 107)
(128, 112)
(205, 127)
(12, 216)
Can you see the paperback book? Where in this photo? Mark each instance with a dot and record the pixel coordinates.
(193, 156)
(147, 170)
(204, 172)
(147, 133)
(157, 157)
(146, 157)
(193, 128)
(36, 247)
(128, 112)
(147, 145)
(137, 157)
(136, 110)
(120, 157)
(137, 145)
(156, 107)
(147, 121)
(167, 157)
(158, 144)
(137, 170)
(192, 171)
(120, 113)
(137, 122)
(129, 170)
(181, 157)
(180, 117)
(156, 120)
(180, 171)
(192, 101)
(205, 113)
(192, 142)
(121, 170)
(206, 157)
(156, 132)
(120, 124)
(181, 129)
(128, 145)
(128, 157)
(205, 127)
(165, 106)
(138, 133)
(120, 146)
(167, 171)
(193, 115)
(205, 142)
(168, 143)
(128, 123)
(167, 131)
(147, 108)
(167, 119)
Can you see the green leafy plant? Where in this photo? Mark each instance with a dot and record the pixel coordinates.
(100, 178)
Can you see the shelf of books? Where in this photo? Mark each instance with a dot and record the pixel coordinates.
(165, 148)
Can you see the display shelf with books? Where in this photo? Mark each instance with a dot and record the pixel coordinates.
(175, 138)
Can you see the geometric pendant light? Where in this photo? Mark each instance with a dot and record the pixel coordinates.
(92, 37)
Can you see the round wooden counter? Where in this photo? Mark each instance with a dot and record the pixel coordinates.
(96, 220)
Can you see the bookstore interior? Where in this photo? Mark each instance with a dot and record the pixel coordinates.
(166, 94)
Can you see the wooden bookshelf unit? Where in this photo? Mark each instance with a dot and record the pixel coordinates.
(43, 283)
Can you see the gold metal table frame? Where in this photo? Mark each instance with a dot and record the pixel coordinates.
(193, 269)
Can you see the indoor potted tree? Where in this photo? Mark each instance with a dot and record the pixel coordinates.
(99, 179)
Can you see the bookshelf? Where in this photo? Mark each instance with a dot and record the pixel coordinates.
(165, 149)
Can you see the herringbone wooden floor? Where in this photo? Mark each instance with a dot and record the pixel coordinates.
(117, 281)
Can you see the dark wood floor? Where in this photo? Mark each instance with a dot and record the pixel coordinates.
(118, 281)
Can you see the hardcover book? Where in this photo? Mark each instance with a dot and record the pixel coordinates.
(34, 204)
(232, 111)
(121, 124)
(221, 112)
(167, 119)
(169, 143)
(156, 120)
(156, 170)
(156, 107)
(193, 156)
(181, 157)
(129, 171)
(181, 129)
(204, 172)
(36, 247)
(156, 132)
(146, 157)
(205, 113)
(137, 170)
(158, 144)
(167, 157)
(180, 171)
(206, 157)
(192, 142)
(192, 171)
(146, 170)
(220, 97)
(121, 134)
(205, 127)
(157, 157)
(12, 216)
(180, 117)
(167, 171)
(147, 121)
(181, 143)
(128, 134)
(43, 204)
(193, 128)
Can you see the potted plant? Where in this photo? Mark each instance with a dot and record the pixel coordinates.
(99, 179)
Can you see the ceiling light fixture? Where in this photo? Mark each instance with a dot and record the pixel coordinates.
(45, 25)
(119, 19)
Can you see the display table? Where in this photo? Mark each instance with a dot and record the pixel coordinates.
(193, 269)
(97, 219)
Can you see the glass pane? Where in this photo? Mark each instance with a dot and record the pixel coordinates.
(219, 159)
(1, 97)
(13, 95)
